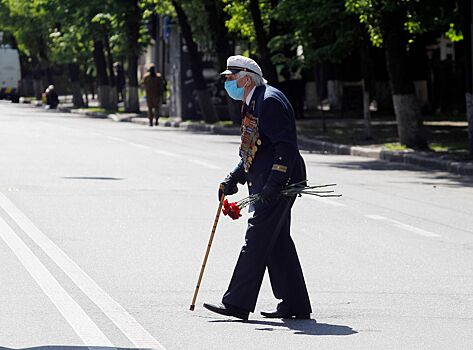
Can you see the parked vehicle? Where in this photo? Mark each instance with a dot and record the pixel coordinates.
(10, 73)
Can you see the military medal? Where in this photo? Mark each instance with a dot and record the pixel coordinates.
(249, 138)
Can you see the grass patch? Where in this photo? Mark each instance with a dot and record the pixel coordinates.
(225, 123)
(449, 147)
(94, 109)
(103, 110)
(394, 146)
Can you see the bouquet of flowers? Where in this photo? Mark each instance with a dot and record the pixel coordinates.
(231, 209)
(298, 189)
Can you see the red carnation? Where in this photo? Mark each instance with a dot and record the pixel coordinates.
(226, 207)
(231, 209)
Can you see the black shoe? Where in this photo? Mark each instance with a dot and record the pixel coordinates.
(227, 310)
(280, 314)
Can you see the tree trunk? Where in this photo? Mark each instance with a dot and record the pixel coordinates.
(367, 72)
(132, 96)
(75, 85)
(269, 71)
(38, 88)
(133, 18)
(219, 32)
(223, 49)
(103, 86)
(466, 18)
(113, 86)
(205, 103)
(37, 82)
(406, 107)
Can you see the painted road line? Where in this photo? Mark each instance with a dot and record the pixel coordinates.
(84, 327)
(138, 145)
(331, 202)
(166, 153)
(404, 226)
(207, 165)
(113, 138)
(113, 310)
(93, 133)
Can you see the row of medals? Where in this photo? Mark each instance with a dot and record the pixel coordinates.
(249, 140)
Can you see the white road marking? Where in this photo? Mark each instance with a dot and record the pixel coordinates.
(404, 226)
(166, 153)
(84, 327)
(113, 138)
(207, 165)
(113, 310)
(328, 201)
(138, 145)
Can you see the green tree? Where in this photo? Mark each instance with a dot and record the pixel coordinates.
(465, 20)
(131, 16)
(67, 48)
(29, 25)
(222, 47)
(203, 96)
(323, 28)
(395, 25)
(76, 33)
(252, 20)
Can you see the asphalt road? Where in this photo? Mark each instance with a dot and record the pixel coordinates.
(103, 227)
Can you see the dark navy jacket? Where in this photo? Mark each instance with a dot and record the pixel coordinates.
(277, 161)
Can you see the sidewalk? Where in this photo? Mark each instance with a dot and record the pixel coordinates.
(430, 160)
(311, 140)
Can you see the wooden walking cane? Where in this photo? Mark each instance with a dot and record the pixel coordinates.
(192, 307)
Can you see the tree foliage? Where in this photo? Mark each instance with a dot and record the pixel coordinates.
(240, 21)
(420, 16)
(322, 28)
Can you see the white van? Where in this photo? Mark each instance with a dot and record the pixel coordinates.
(10, 73)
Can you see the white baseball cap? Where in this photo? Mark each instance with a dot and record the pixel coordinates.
(239, 63)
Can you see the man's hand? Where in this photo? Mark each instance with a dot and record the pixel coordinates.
(270, 194)
(227, 187)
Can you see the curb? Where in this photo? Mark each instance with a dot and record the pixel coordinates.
(421, 159)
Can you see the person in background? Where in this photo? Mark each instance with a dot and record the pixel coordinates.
(52, 99)
(152, 82)
(120, 79)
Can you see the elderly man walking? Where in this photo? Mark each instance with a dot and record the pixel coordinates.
(270, 160)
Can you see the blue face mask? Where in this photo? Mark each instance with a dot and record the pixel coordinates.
(233, 90)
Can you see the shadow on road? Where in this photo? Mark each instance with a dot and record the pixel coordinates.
(378, 165)
(91, 178)
(306, 327)
(71, 347)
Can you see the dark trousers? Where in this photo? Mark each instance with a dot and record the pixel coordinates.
(268, 243)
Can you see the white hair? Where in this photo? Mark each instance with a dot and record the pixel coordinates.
(257, 79)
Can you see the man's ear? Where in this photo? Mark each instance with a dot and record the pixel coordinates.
(248, 81)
